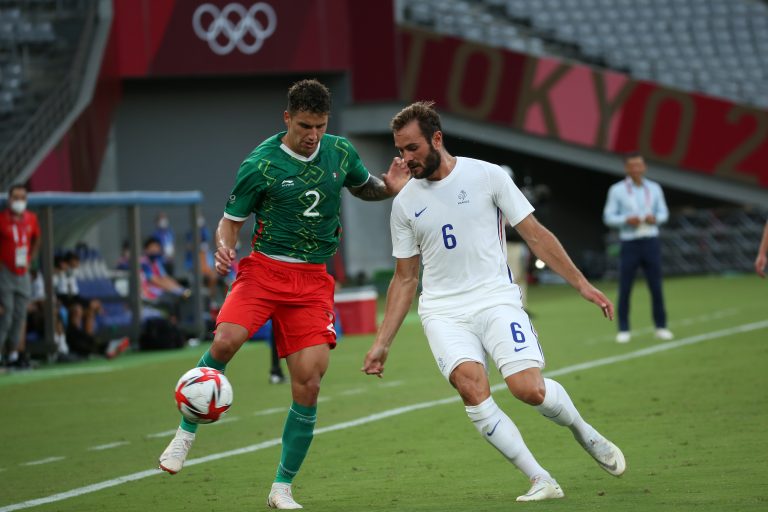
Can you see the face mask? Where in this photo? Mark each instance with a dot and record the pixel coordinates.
(19, 206)
(162, 223)
(200, 222)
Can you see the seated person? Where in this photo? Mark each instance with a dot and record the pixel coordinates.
(157, 287)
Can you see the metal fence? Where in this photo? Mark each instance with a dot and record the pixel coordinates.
(704, 241)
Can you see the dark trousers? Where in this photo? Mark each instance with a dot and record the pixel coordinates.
(645, 253)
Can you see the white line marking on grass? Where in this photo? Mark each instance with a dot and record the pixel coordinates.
(383, 415)
(353, 391)
(107, 446)
(226, 419)
(717, 315)
(392, 384)
(273, 410)
(164, 433)
(42, 461)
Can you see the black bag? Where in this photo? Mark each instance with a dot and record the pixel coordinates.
(160, 334)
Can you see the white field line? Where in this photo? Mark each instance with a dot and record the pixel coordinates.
(392, 383)
(683, 322)
(353, 391)
(272, 410)
(47, 460)
(385, 414)
(107, 446)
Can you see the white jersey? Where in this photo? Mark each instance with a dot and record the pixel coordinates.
(457, 226)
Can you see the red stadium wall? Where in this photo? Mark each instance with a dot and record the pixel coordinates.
(583, 106)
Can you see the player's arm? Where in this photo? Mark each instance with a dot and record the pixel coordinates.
(547, 248)
(400, 295)
(389, 185)
(226, 239)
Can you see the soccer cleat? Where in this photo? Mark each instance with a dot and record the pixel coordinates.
(623, 337)
(280, 497)
(172, 459)
(117, 347)
(542, 489)
(664, 334)
(607, 455)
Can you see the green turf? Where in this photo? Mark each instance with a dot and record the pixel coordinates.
(691, 421)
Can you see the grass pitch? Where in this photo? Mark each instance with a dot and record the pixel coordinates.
(690, 417)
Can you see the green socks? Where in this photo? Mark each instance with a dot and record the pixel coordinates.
(297, 436)
(210, 362)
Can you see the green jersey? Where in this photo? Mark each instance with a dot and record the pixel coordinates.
(296, 200)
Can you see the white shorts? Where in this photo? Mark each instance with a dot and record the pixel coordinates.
(503, 332)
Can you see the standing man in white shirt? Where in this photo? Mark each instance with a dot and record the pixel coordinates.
(636, 206)
(450, 217)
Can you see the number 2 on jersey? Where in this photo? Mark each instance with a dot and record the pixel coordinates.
(311, 212)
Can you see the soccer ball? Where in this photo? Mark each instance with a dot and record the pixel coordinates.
(203, 395)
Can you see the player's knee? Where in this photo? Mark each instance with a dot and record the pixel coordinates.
(531, 395)
(472, 388)
(225, 344)
(306, 391)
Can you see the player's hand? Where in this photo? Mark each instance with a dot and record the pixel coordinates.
(396, 176)
(650, 219)
(760, 263)
(595, 296)
(633, 220)
(224, 258)
(374, 361)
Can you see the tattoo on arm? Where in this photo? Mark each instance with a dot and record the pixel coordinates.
(372, 190)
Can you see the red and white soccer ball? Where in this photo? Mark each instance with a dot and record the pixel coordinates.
(203, 395)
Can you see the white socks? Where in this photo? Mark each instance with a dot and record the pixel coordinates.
(501, 432)
(558, 407)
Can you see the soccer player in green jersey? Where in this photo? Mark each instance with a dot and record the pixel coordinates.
(292, 184)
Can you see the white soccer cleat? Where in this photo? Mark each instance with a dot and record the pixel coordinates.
(281, 497)
(542, 489)
(172, 459)
(664, 334)
(607, 455)
(623, 337)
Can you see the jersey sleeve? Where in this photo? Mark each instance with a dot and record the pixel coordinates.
(513, 204)
(404, 243)
(357, 174)
(247, 191)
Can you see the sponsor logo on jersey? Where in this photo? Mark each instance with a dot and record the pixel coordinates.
(463, 197)
(234, 26)
(518, 349)
(232, 198)
(287, 183)
(419, 213)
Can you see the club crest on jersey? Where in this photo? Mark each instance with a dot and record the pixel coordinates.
(463, 197)
(335, 175)
(232, 198)
(287, 183)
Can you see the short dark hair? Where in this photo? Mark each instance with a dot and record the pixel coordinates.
(151, 240)
(17, 186)
(630, 155)
(309, 96)
(423, 112)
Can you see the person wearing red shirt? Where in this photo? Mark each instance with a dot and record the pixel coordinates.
(19, 242)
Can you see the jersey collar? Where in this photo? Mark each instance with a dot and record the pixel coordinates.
(298, 156)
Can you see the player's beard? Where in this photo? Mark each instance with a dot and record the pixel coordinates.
(430, 165)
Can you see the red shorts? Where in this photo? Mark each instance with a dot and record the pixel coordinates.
(297, 296)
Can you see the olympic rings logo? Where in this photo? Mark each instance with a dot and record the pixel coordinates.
(247, 23)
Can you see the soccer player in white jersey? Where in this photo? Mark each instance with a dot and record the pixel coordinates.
(451, 218)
